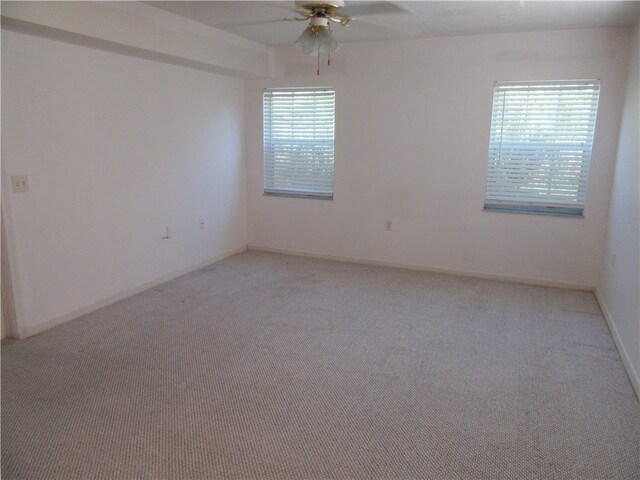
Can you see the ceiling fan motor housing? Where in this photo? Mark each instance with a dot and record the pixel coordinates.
(320, 22)
(319, 4)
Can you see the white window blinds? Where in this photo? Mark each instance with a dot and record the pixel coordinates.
(298, 136)
(540, 146)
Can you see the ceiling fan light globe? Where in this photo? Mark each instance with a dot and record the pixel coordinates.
(320, 43)
(306, 42)
(326, 43)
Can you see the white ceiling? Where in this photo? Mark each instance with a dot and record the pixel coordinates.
(263, 21)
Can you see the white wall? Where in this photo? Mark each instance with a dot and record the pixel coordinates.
(116, 149)
(619, 287)
(412, 123)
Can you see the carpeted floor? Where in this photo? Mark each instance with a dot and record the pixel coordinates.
(271, 366)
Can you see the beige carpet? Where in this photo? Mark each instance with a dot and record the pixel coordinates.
(270, 366)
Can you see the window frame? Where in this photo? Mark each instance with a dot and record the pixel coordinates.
(527, 204)
(304, 190)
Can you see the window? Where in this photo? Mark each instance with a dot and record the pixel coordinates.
(540, 146)
(298, 136)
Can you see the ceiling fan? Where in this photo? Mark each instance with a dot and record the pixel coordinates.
(317, 39)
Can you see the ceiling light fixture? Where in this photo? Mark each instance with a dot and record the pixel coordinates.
(317, 39)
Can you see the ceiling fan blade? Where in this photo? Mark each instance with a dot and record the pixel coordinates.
(360, 9)
(285, 7)
(260, 22)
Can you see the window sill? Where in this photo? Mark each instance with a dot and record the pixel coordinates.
(313, 196)
(567, 212)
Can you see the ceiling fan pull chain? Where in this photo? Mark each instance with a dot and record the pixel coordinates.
(318, 71)
(329, 59)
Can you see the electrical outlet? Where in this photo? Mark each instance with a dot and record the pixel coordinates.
(19, 183)
(202, 224)
(387, 225)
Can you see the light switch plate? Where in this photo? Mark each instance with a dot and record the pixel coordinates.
(19, 183)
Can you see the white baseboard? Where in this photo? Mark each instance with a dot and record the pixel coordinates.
(422, 268)
(626, 361)
(35, 329)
